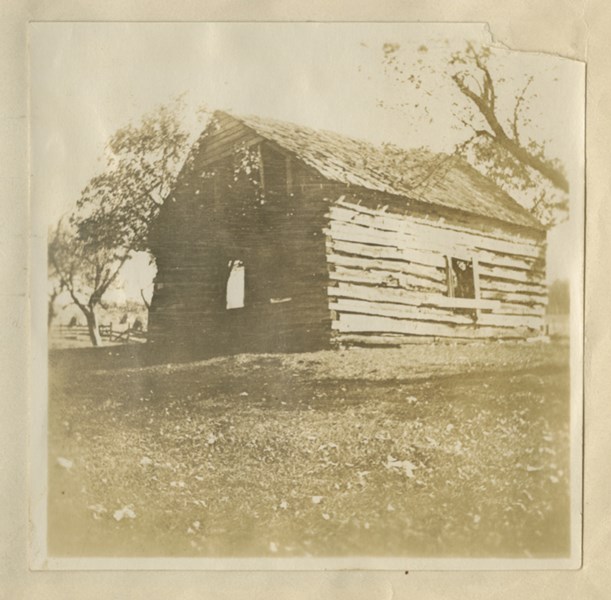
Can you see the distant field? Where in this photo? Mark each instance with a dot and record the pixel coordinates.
(424, 451)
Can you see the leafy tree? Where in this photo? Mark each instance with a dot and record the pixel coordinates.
(493, 112)
(117, 207)
(84, 271)
(115, 210)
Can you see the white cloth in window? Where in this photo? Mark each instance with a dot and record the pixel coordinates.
(235, 285)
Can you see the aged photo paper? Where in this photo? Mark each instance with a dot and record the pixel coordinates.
(312, 296)
(554, 28)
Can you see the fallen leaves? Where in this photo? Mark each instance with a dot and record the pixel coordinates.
(98, 510)
(194, 527)
(400, 465)
(64, 462)
(127, 512)
(379, 460)
(531, 469)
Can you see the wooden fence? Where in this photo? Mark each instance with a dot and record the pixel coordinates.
(78, 335)
(121, 335)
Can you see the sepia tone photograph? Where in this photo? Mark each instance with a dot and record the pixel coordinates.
(312, 293)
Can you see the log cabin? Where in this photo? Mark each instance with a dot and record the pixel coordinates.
(278, 237)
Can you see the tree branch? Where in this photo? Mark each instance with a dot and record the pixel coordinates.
(516, 110)
(511, 145)
(112, 275)
(146, 303)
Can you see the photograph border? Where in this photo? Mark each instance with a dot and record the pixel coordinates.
(39, 459)
(577, 30)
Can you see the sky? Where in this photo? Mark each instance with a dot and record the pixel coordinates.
(89, 79)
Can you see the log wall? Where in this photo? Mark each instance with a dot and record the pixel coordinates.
(389, 282)
(322, 271)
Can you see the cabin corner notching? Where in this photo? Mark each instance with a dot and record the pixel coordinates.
(280, 237)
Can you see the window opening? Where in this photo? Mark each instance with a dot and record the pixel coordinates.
(461, 281)
(235, 285)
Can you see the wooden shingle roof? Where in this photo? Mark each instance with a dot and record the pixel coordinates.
(421, 175)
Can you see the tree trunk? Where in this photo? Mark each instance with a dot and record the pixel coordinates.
(92, 326)
(146, 303)
(553, 175)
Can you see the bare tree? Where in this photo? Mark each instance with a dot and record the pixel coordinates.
(497, 126)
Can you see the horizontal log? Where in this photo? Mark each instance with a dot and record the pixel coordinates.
(388, 266)
(430, 241)
(465, 303)
(400, 296)
(395, 221)
(351, 323)
(515, 298)
(532, 322)
(511, 274)
(435, 259)
(385, 279)
(395, 340)
(498, 285)
(396, 311)
(350, 232)
(505, 308)
(390, 340)
(376, 293)
(447, 235)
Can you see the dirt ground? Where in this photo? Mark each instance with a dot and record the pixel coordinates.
(440, 450)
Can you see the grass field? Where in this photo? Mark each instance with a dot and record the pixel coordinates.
(425, 451)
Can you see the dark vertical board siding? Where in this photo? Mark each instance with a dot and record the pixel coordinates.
(278, 236)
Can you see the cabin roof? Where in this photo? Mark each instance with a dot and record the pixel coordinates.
(432, 178)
